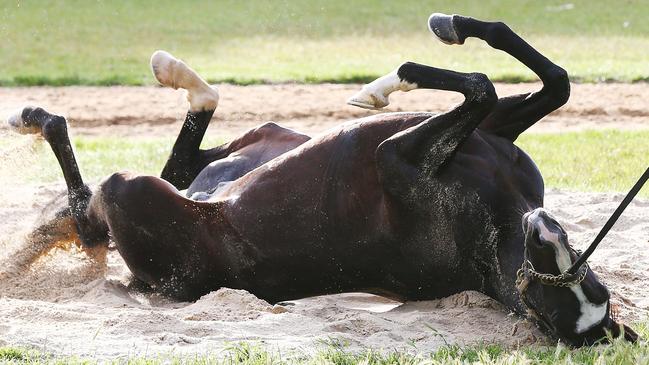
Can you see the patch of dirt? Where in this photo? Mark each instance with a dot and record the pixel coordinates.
(140, 111)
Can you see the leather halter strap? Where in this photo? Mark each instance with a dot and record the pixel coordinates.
(579, 269)
(526, 275)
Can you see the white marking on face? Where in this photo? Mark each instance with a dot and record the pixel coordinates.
(376, 94)
(591, 313)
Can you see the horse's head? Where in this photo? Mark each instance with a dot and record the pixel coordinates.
(575, 307)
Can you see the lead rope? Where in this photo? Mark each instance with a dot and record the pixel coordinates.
(609, 224)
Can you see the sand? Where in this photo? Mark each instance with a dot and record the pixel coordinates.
(142, 111)
(70, 304)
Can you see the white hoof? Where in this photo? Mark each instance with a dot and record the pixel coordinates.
(17, 123)
(16, 120)
(163, 65)
(368, 99)
(375, 95)
(174, 73)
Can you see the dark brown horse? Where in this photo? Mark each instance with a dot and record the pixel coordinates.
(409, 205)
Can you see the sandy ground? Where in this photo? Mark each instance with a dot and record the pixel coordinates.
(140, 111)
(69, 304)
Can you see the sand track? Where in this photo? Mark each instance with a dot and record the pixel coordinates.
(139, 111)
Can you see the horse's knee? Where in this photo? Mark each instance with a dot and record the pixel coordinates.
(556, 81)
(480, 90)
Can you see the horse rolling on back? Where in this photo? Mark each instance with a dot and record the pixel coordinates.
(407, 205)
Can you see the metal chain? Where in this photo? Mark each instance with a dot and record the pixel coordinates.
(561, 280)
(527, 274)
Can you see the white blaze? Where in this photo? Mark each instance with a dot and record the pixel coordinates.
(591, 314)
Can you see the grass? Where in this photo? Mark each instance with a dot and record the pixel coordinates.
(590, 161)
(605, 161)
(619, 352)
(77, 42)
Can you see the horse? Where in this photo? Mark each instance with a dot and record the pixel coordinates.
(412, 206)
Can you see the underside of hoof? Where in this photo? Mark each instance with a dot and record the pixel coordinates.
(376, 94)
(21, 123)
(442, 27)
(174, 73)
(368, 99)
(163, 65)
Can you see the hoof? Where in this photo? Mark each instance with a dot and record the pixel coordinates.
(174, 73)
(368, 99)
(375, 95)
(163, 65)
(21, 123)
(442, 27)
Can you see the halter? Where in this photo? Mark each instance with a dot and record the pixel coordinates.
(564, 279)
(527, 275)
(579, 269)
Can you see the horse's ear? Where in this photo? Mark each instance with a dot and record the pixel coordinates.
(617, 329)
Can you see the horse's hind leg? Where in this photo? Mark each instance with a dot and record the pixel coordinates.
(512, 115)
(432, 142)
(186, 159)
(54, 129)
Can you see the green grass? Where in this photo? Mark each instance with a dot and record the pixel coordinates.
(109, 42)
(619, 352)
(584, 161)
(590, 161)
